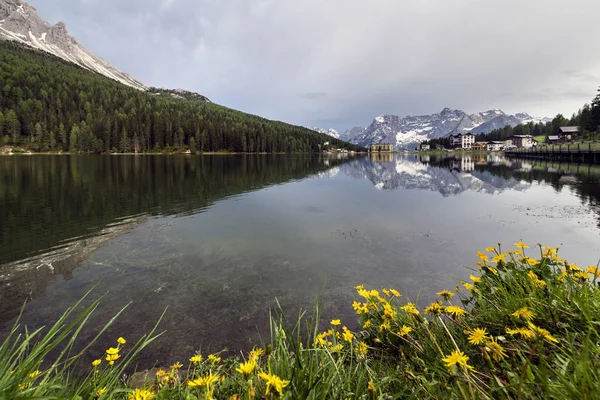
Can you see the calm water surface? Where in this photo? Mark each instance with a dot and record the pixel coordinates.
(218, 239)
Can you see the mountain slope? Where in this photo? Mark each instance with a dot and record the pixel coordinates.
(408, 132)
(50, 104)
(20, 22)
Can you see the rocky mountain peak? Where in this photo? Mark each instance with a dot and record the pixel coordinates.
(21, 23)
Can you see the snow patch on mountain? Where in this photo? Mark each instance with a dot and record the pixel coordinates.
(331, 132)
(21, 23)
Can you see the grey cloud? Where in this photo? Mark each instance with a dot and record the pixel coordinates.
(367, 57)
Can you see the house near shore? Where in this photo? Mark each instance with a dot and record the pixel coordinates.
(494, 146)
(522, 141)
(479, 146)
(462, 140)
(424, 147)
(568, 133)
(382, 148)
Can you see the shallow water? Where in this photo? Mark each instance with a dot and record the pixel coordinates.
(218, 239)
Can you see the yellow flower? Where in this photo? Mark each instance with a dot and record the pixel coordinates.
(474, 278)
(360, 308)
(204, 381)
(395, 292)
(335, 322)
(482, 256)
(95, 363)
(359, 287)
(361, 349)
(582, 275)
(213, 358)
(111, 358)
(524, 332)
(550, 249)
(543, 333)
(518, 252)
(456, 311)
(480, 263)
(447, 295)
(274, 383)
(434, 309)
(255, 354)
(141, 394)
(176, 366)
(497, 351)
(477, 336)
(388, 311)
(469, 286)
(531, 261)
(385, 326)
(348, 336)
(161, 372)
(498, 258)
(247, 368)
(492, 270)
(593, 270)
(112, 351)
(386, 292)
(411, 309)
(337, 348)
(521, 245)
(24, 385)
(367, 324)
(490, 249)
(524, 313)
(121, 340)
(101, 391)
(196, 359)
(35, 374)
(534, 278)
(575, 268)
(405, 330)
(372, 389)
(457, 358)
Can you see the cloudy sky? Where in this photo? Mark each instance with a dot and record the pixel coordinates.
(340, 63)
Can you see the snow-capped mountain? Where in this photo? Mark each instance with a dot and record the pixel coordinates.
(20, 22)
(331, 132)
(408, 132)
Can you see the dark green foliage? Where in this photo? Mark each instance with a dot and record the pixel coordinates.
(40, 93)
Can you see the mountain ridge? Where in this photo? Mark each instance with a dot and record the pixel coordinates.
(407, 132)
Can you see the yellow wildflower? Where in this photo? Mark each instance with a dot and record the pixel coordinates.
(363, 293)
(111, 358)
(477, 336)
(492, 270)
(361, 349)
(359, 287)
(490, 249)
(95, 363)
(575, 268)
(385, 326)
(475, 278)
(24, 386)
(121, 340)
(518, 252)
(498, 258)
(456, 311)
(348, 336)
(367, 324)
(447, 295)
(112, 351)
(524, 332)
(524, 313)
(176, 366)
(360, 308)
(480, 263)
(141, 394)
(434, 309)
(372, 389)
(335, 322)
(531, 261)
(386, 292)
(582, 275)
(534, 278)
(411, 309)
(388, 311)
(161, 373)
(101, 391)
(395, 292)
(543, 333)
(457, 358)
(35, 374)
(497, 351)
(256, 354)
(337, 348)
(196, 359)
(469, 286)
(247, 368)
(482, 257)
(213, 358)
(405, 330)
(550, 249)
(521, 245)
(274, 383)
(593, 270)
(204, 381)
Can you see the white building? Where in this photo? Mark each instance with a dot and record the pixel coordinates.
(462, 140)
(494, 146)
(522, 141)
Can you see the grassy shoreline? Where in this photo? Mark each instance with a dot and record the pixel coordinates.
(526, 325)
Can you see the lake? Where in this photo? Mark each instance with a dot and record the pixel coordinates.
(217, 239)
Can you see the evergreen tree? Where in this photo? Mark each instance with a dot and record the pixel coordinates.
(193, 144)
(74, 139)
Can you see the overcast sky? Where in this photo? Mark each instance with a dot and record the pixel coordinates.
(340, 63)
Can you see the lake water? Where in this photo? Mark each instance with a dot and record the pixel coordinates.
(217, 239)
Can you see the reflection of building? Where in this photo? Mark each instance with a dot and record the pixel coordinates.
(522, 141)
(382, 147)
(462, 140)
(463, 164)
(381, 157)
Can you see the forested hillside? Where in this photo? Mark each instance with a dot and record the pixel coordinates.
(49, 104)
